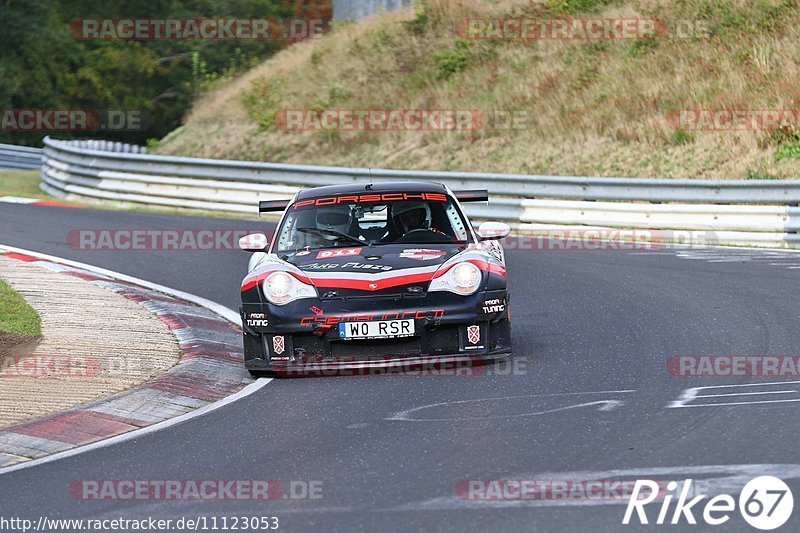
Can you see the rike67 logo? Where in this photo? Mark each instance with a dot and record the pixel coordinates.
(765, 503)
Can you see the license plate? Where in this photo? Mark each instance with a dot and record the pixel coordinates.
(377, 329)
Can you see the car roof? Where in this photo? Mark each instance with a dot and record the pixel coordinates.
(366, 188)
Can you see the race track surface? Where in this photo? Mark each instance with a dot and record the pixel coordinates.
(588, 393)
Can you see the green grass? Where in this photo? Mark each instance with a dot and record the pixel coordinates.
(24, 183)
(16, 316)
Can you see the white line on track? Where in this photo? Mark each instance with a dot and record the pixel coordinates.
(226, 313)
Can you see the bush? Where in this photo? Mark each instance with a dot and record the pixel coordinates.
(787, 139)
(679, 137)
(454, 60)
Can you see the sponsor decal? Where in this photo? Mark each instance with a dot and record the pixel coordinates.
(316, 310)
(338, 252)
(368, 198)
(495, 249)
(278, 344)
(366, 266)
(319, 266)
(474, 334)
(373, 285)
(332, 320)
(497, 305)
(421, 254)
(257, 320)
(303, 252)
(351, 265)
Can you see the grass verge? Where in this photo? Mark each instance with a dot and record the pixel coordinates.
(23, 183)
(16, 316)
(19, 322)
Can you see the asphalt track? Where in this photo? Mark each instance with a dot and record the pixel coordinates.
(592, 332)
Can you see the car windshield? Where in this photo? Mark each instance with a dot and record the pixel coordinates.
(403, 218)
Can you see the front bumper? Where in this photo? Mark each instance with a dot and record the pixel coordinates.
(304, 335)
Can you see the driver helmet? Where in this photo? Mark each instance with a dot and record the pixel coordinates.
(407, 222)
(334, 218)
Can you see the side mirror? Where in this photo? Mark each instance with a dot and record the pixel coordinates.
(493, 231)
(254, 242)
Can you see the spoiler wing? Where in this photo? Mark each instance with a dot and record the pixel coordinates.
(474, 195)
(265, 206)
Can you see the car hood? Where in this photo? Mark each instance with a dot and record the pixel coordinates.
(372, 268)
(371, 260)
(370, 271)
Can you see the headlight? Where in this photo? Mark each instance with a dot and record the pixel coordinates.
(464, 278)
(281, 288)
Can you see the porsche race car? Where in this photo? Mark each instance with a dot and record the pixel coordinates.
(374, 275)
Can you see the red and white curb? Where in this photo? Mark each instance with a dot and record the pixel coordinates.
(33, 201)
(209, 375)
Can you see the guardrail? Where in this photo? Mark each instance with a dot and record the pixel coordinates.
(748, 212)
(19, 157)
(358, 9)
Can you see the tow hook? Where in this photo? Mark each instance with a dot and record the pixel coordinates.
(321, 329)
(432, 323)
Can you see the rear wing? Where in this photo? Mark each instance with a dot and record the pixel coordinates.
(265, 206)
(474, 195)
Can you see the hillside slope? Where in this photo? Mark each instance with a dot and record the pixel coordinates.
(583, 107)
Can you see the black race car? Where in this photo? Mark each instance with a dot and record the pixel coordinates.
(376, 275)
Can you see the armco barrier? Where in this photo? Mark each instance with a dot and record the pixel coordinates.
(358, 9)
(19, 157)
(748, 212)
